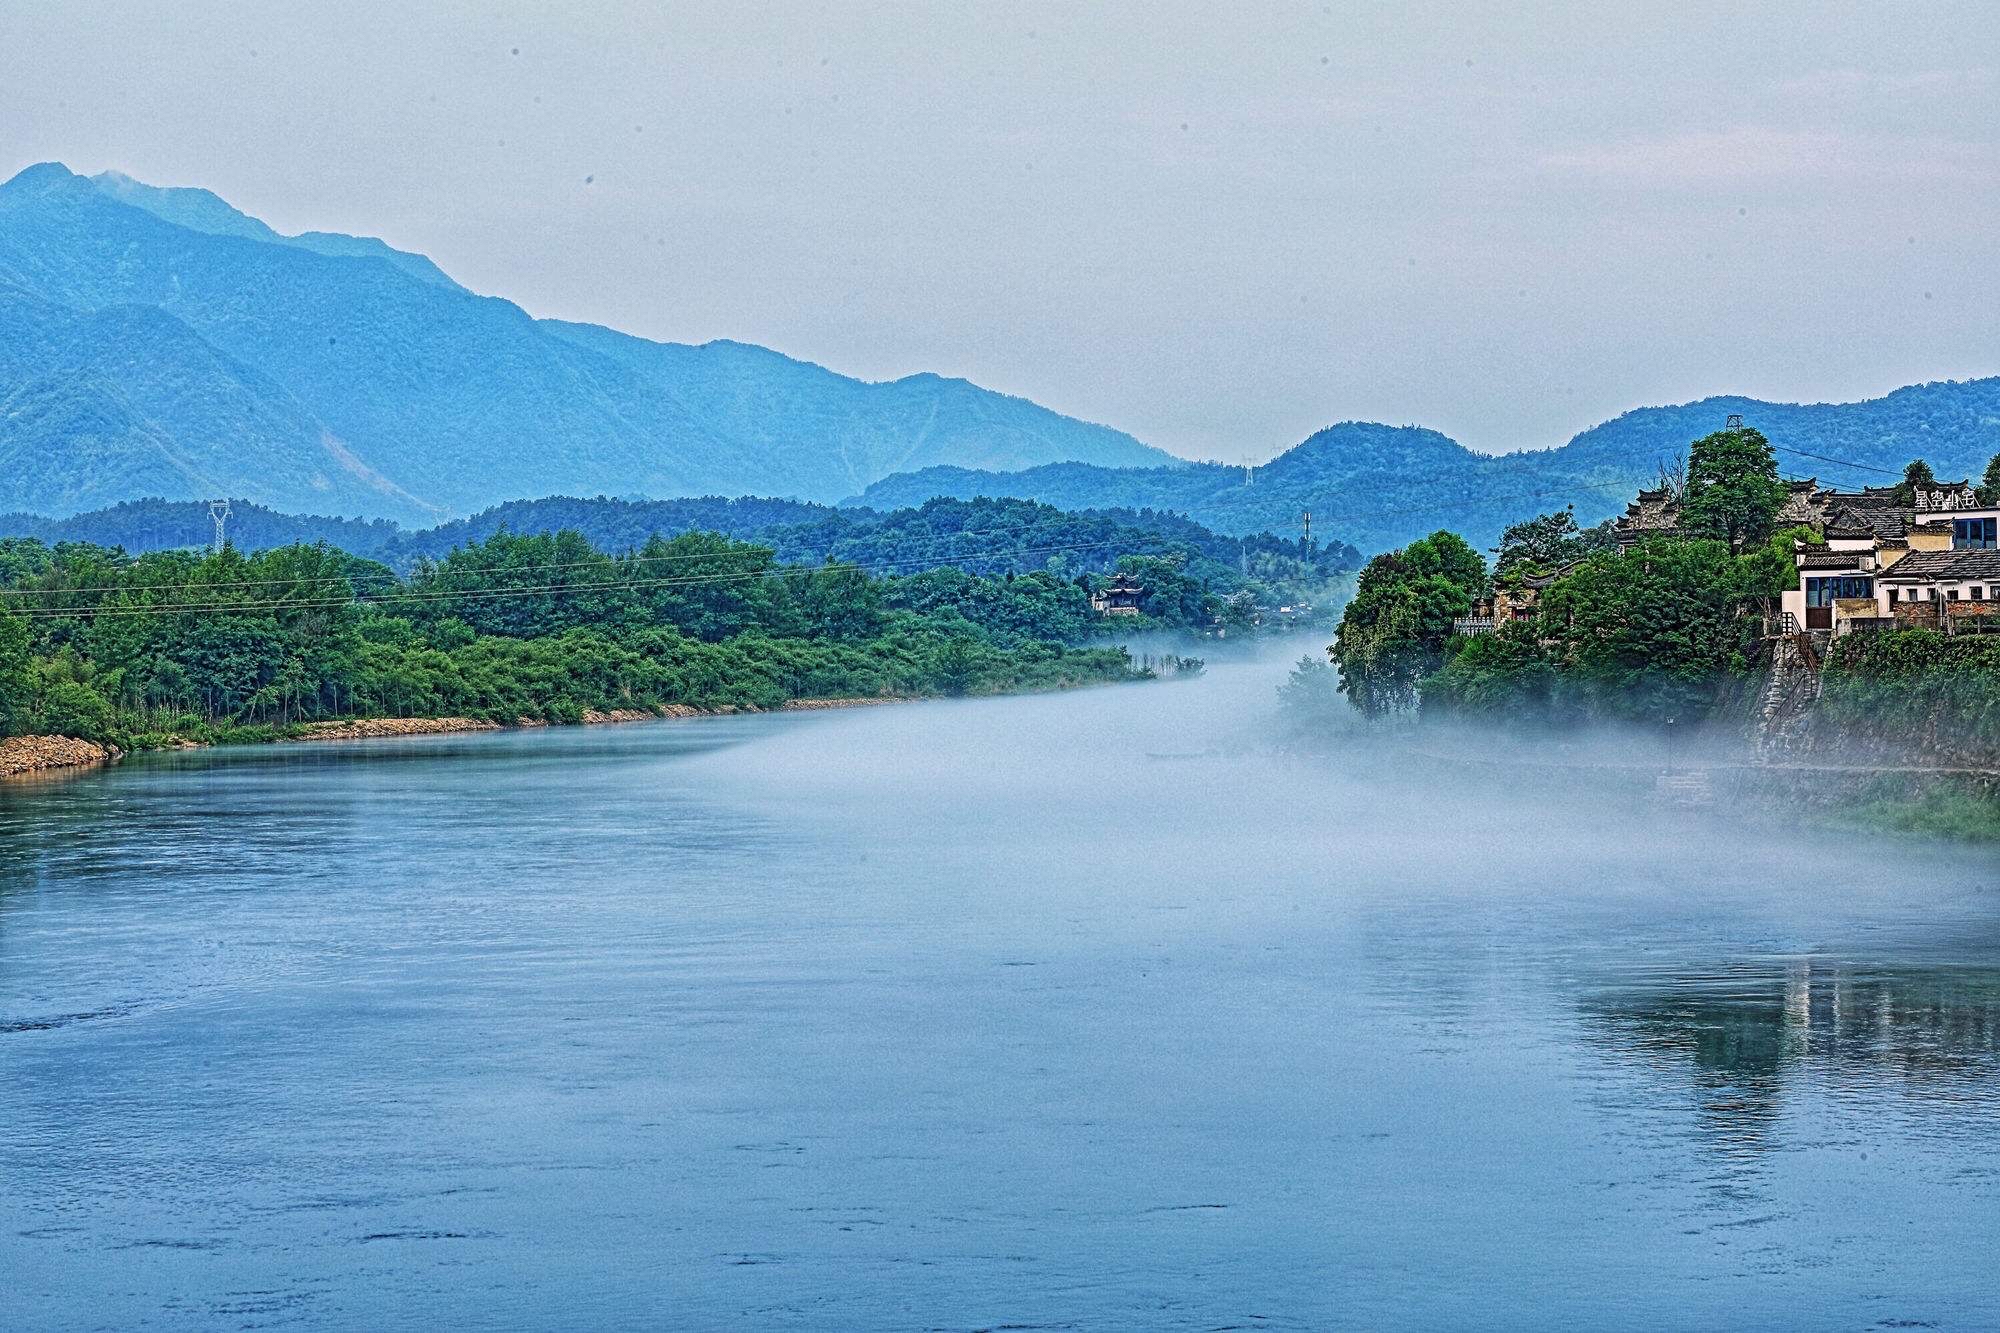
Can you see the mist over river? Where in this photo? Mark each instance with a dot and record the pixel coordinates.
(1077, 1011)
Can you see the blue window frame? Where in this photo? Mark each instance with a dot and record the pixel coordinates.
(1824, 591)
(1974, 534)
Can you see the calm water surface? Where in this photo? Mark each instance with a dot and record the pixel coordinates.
(1047, 1013)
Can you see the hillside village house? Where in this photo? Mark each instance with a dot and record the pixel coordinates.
(1934, 561)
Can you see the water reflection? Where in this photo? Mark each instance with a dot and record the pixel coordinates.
(974, 1015)
(1742, 1038)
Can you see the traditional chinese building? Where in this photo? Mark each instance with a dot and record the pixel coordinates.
(1118, 597)
(1514, 597)
(1928, 557)
(1885, 556)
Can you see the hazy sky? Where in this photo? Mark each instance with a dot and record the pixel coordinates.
(1215, 226)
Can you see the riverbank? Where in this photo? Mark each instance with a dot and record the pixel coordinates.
(372, 728)
(379, 728)
(22, 756)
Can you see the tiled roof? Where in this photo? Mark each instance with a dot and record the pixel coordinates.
(1944, 567)
(1544, 579)
(1651, 512)
(1816, 559)
(1880, 522)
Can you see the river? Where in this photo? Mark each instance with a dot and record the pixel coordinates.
(1063, 1012)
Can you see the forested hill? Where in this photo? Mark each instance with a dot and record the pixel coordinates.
(985, 536)
(140, 526)
(161, 343)
(1382, 486)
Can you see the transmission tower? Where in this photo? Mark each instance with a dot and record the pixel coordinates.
(1735, 421)
(1306, 528)
(219, 511)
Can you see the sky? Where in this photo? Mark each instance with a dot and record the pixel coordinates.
(1218, 227)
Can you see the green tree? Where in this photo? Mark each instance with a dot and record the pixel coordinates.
(956, 664)
(1309, 701)
(840, 602)
(1989, 485)
(1394, 630)
(1652, 633)
(67, 698)
(15, 665)
(1549, 541)
(1917, 474)
(1508, 671)
(1733, 490)
(1172, 596)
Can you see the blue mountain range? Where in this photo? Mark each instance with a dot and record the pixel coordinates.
(158, 342)
(1380, 486)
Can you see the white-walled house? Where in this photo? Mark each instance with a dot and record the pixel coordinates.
(1934, 559)
(1881, 555)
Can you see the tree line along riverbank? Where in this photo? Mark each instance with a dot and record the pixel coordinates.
(1672, 634)
(178, 647)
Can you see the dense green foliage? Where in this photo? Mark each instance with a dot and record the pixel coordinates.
(1988, 491)
(1947, 805)
(1733, 492)
(1547, 542)
(1917, 688)
(1394, 630)
(1654, 634)
(991, 537)
(98, 644)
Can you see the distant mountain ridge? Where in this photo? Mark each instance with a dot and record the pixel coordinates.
(200, 210)
(158, 342)
(1381, 486)
(988, 536)
(161, 343)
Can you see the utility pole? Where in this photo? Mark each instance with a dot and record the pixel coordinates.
(219, 511)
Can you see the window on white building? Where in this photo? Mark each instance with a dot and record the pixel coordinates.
(1973, 534)
(1824, 591)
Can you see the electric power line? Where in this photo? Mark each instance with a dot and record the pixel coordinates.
(1838, 462)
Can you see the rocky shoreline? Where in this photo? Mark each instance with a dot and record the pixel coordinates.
(371, 728)
(23, 755)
